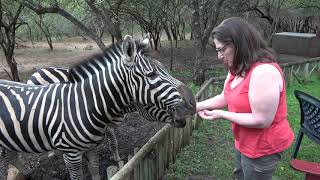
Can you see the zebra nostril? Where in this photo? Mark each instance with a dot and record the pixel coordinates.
(191, 102)
(180, 123)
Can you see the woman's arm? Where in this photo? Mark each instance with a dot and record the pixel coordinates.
(264, 94)
(217, 102)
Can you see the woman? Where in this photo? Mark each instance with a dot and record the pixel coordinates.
(255, 94)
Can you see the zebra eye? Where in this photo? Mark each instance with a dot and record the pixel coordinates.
(152, 74)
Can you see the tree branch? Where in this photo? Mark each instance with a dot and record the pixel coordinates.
(37, 8)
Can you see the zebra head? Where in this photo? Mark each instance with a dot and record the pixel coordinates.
(158, 95)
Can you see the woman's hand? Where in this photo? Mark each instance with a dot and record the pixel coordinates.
(210, 115)
(217, 102)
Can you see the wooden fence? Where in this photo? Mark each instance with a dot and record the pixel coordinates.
(153, 159)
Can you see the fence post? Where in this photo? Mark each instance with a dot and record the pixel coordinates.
(306, 71)
(290, 75)
(136, 169)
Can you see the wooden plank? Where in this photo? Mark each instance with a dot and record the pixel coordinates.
(312, 69)
(180, 139)
(128, 167)
(141, 170)
(155, 164)
(161, 159)
(175, 145)
(306, 71)
(206, 84)
(145, 169)
(290, 79)
(316, 59)
(136, 170)
(171, 149)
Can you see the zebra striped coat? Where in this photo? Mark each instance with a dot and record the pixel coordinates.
(73, 117)
(51, 75)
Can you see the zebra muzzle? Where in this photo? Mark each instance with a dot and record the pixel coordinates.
(186, 108)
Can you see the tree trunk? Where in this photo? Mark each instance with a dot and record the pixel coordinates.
(166, 29)
(156, 42)
(174, 31)
(8, 52)
(183, 31)
(200, 33)
(198, 74)
(198, 71)
(171, 55)
(49, 41)
(8, 23)
(46, 32)
(14, 69)
(117, 31)
(112, 39)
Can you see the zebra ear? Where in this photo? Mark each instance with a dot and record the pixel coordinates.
(129, 49)
(146, 42)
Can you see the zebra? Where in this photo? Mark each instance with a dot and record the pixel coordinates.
(50, 75)
(72, 117)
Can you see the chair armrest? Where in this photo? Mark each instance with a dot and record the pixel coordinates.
(306, 167)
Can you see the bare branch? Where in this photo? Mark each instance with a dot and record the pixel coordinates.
(10, 77)
(37, 8)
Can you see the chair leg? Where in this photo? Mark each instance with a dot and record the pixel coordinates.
(297, 145)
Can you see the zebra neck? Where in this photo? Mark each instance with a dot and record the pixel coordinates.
(108, 99)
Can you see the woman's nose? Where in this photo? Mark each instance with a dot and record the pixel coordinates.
(220, 56)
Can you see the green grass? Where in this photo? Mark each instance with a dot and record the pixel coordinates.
(210, 152)
(181, 73)
(308, 149)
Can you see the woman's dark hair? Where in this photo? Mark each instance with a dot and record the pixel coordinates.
(247, 41)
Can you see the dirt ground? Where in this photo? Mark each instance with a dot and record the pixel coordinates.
(134, 132)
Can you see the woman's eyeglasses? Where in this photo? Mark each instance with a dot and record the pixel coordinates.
(222, 49)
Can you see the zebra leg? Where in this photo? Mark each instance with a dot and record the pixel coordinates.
(93, 163)
(73, 162)
(113, 144)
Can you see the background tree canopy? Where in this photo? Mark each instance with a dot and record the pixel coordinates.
(108, 20)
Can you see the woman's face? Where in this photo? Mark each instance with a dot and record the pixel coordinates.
(225, 52)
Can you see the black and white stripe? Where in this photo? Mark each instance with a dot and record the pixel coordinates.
(72, 117)
(50, 75)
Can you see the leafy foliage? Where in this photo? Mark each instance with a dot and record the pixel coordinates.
(309, 6)
(57, 26)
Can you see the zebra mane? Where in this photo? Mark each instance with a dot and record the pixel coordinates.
(99, 56)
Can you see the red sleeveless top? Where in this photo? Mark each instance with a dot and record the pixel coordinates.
(254, 142)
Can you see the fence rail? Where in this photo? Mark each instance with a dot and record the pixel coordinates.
(152, 160)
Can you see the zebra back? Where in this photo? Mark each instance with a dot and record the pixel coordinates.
(50, 75)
